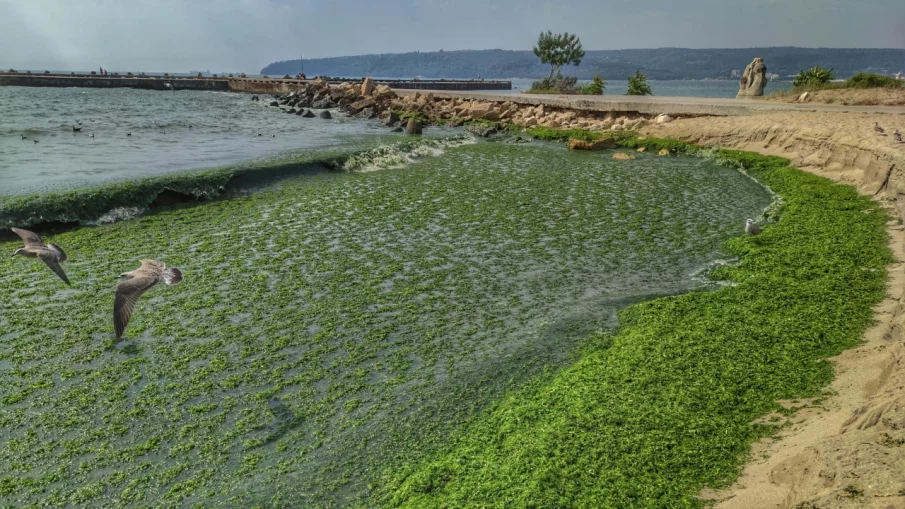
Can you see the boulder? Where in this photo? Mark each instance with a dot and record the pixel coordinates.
(483, 130)
(663, 119)
(384, 91)
(479, 110)
(617, 127)
(413, 127)
(622, 156)
(663, 152)
(398, 130)
(804, 97)
(322, 102)
(325, 114)
(291, 111)
(367, 113)
(642, 149)
(602, 144)
(392, 119)
(274, 103)
(300, 111)
(357, 106)
(308, 114)
(367, 87)
(255, 98)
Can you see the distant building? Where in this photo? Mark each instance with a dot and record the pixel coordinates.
(735, 73)
(771, 76)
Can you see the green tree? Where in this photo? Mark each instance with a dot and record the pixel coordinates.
(814, 76)
(558, 50)
(637, 85)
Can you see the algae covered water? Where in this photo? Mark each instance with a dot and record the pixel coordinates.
(338, 325)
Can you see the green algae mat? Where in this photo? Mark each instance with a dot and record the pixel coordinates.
(440, 335)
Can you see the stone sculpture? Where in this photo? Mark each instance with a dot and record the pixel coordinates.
(754, 80)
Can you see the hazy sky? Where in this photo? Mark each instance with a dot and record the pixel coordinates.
(245, 35)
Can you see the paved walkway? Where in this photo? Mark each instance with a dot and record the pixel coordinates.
(655, 105)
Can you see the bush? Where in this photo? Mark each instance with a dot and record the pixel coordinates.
(814, 76)
(595, 87)
(637, 85)
(871, 80)
(558, 85)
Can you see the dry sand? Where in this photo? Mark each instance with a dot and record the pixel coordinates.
(849, 96)
(848, 450)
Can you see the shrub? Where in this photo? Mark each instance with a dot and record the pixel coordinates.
(595, 87)
(814, 76)
(558, 85)
(872, 80)
(637, 85)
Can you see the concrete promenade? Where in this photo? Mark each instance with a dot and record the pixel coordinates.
(653, 105)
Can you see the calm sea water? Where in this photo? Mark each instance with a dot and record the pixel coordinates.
(171, 132)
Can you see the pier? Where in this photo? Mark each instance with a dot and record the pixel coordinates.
(256, 85)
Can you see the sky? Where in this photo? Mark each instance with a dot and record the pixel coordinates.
(246, 35)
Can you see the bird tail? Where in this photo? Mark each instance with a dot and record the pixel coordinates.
(172, 276)
(60, 252)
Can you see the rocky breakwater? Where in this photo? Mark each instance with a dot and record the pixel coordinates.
(458, 111)
(412, 111)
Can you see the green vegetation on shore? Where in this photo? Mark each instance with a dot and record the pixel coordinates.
(668, 408)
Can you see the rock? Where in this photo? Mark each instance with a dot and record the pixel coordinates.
(601, 144)
(804, 97)
(663, 152)
(291, 111)
(617, 127)
(754, 80)
(398, 130)
(622, 156)
(663, 119)
(357, 106)
(483, 130)
(384, 91)
(367, 113)
(308, 114)
(325, 114)
(255, 98)
(413, 127)
(274, 103)
(392, 118)
(300, 111)
(479, 110)
(642, 149)
(322, 103)
(367, 87)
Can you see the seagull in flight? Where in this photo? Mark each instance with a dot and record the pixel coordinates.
(51, 254)
(136, 283)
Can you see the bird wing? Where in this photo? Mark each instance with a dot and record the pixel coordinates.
(151, 267)
(54, 266)
(30, 238)
(127, 294)
(61, 255)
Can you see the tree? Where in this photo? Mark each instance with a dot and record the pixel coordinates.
(596, 87)
(637, 85)
(558, 50)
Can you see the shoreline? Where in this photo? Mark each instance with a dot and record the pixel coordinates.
(840, 443)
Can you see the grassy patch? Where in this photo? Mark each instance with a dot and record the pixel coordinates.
(668, 408)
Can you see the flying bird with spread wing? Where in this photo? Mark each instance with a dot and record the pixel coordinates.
(136, 283)
(51, 254)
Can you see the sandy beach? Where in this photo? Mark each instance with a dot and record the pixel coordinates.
(846, 450)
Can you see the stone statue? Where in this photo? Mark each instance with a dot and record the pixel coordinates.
(754, 80)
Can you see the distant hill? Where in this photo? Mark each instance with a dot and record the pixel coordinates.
(660, 63)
